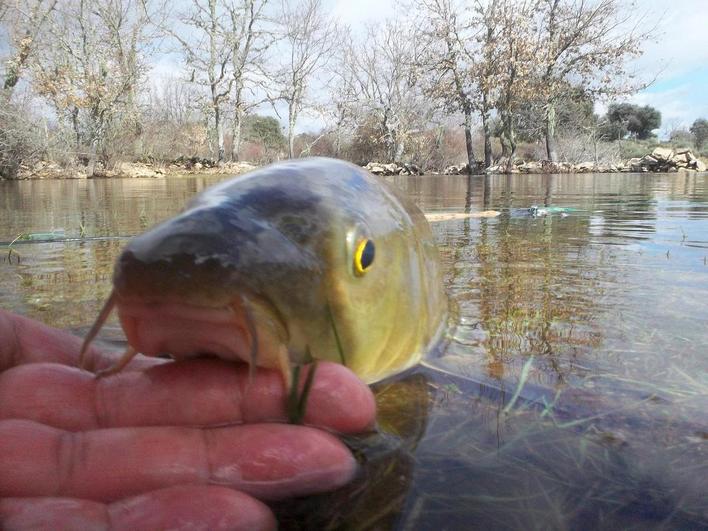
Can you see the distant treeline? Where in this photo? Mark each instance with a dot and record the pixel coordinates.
(86, 83)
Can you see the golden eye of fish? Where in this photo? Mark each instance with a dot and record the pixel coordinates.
(364, 256)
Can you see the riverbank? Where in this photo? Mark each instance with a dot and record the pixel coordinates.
(127, 170)
(660, 160)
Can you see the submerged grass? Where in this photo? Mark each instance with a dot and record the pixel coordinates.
(470, 461)
(522, 381)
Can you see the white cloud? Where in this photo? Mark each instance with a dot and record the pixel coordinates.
(359, 12)
(679, 106)
(682, 37)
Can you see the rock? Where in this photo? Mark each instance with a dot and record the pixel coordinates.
(666, 160)
(585, 167)
(378, 168)
(634, 164)
(556, 167)
(456, 169)
(243, 167)
(700, 165)
(662, 154)
(410, 169)
(530, 167)
(135, 169)
(649, 160)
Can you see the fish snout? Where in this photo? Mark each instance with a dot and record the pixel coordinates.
(180, 277)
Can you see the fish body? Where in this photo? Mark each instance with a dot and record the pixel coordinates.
(311, 259)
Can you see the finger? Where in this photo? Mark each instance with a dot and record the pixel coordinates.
(182, 507)
(23, 340)
(203, 392)
(269, 461)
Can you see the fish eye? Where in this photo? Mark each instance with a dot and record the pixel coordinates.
(364, 256)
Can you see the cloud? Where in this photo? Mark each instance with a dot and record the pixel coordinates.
(359, 12)
(682, 41)
(679, 106)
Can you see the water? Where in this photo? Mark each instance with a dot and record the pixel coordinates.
(601, 315)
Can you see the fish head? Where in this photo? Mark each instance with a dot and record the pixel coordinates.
(313, 257)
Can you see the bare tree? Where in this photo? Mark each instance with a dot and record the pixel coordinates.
(586, 43)
(451, 56)
(207, 48)
(509, 54)
(250, 40)
(309, 37)
(25, 21)
(90, 66)
(173, 121)
(385, 76)
(344, 104)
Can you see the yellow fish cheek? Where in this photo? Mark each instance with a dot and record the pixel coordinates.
(367, 310)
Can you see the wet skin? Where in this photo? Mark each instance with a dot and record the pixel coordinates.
(267, 268)
(163, 444)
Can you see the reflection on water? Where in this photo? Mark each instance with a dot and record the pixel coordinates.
(601, 314)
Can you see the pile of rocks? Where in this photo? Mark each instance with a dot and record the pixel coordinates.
(378, 168)
(226, 168)
(194, 163)
(666, 160)
(133, 169)
(457, 169)
(660, 160)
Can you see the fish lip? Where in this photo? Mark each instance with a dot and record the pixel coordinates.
(182, 329)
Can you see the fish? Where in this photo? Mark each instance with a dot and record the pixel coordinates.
(303, 260)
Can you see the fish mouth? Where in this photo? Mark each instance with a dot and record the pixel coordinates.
(182, 330)
(247, 329)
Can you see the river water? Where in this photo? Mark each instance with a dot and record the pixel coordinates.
(573, 392)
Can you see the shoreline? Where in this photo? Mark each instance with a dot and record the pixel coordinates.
(660, 160)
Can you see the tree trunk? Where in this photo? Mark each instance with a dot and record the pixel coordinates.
(91, 167)
(219, 131)
(471, 160)
(236, 134)
(292, 117)
(400, 148)
(510, 141)
(551, 149)
(487, 140)
(388, 139)
(75, 126)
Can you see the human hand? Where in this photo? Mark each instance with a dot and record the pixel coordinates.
(162, 445)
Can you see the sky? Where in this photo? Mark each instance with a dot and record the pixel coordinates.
(678, 59)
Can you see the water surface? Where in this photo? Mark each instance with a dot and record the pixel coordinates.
(574, 390)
